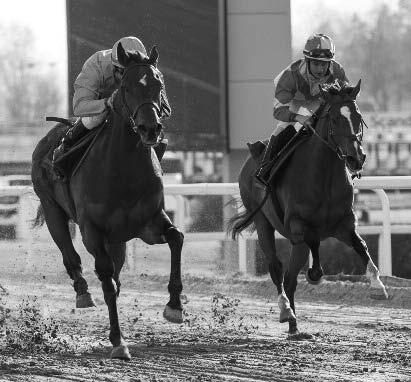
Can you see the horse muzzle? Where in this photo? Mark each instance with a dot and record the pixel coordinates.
(150, 136)
(355, 163)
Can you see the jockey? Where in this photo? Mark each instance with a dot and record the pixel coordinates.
(95, 88)
(297, 95)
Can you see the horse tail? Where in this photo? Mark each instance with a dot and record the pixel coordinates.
(39, 220)
(241, 221)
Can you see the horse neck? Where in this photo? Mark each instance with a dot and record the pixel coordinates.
(124, 149)
(323, 160)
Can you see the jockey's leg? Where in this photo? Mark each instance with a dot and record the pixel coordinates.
(276, 143)
(79, 129)
(72, 135)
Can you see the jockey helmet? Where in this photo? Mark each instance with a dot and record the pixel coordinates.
(129, 44)
(319, 47)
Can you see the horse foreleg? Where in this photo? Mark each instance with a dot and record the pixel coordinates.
(298, 257)
(173, 310)
(105, 270)
(354, 240)
(57, 224)
(266, 239)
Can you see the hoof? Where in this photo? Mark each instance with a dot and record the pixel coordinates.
(85, 301)
(287, 315)
(379, 294)
(314, 277)
(121, 352)
(173, 315)
(299, 336)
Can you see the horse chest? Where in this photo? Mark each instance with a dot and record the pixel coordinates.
(321, 211)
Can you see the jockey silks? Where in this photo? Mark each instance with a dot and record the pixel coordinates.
(296, 91)
(94, 83)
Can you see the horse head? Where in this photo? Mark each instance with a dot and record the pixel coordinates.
(139, 97)
(342, 126)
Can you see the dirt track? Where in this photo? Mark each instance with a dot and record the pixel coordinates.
(230, 333)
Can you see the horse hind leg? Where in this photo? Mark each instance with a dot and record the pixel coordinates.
(117, 252)
(298, 257)
(57, 224)
(314, 274)
(266, 240)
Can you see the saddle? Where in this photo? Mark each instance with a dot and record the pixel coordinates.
(257, 149)
(280, 163)
(68, 162)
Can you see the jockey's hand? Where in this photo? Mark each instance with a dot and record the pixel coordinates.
(306, 121)
(109, 101)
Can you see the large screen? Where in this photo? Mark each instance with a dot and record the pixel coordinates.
(188, 36)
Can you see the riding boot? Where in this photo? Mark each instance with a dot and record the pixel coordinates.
(276, 144)
(73, 134)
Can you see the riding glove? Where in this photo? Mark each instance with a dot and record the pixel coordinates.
(109, 101)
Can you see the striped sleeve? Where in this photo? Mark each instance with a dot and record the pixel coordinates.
(284, 91)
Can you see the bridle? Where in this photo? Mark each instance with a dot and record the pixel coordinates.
(132, 115)
(324, 111)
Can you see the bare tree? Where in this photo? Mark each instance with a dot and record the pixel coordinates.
(28, 91)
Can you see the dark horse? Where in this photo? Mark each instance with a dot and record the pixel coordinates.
(117, 193)
(310, 199)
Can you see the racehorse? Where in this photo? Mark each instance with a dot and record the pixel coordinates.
(116, 194)
(311, 198)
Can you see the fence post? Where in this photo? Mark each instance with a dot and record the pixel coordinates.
(181, 212)
(384, 249)
(242, 241)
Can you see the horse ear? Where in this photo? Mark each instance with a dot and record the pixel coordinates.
(153, 56)
(122, 56)
(354, 93)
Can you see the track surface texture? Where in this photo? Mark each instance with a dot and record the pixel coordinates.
(230, 332)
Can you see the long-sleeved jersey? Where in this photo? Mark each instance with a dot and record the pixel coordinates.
(296, 91)
(94, 83)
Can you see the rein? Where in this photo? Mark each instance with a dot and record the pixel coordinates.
(323, 112)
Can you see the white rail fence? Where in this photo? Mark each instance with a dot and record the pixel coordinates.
(378, 184)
